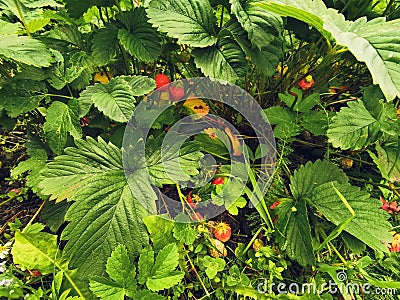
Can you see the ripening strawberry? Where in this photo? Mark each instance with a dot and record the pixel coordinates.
(218, 180)
(161, 81)
(176, 92)
(306, 83)
(222, 231)
(220, 250)
(36, 273)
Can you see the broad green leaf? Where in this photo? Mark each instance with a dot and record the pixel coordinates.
(147, 295)
(26, 50)
(21, 96)
(315, 121)
(65, 72)
(309, 176)
(370, 223)
(163, 275)
(160, 230)
(262, 26)
(119, 267)
(114, 99)
(105, 45)
(388, 160)
(354, 244)
(139, 38)
(145, 264)
(106, 289)
(67, 34)
(354, 127)
(184, 232)
(44, 255)
(37, 24)
(104, 213)
(287, 130)
(61, 119)
(278, 115)
(375, 42)
(53, 214)
(225, 61)
(196, 20)
(9, 28)
(266, 59)
(295, 232)
(140, 85)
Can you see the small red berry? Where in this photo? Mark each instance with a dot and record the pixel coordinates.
(218, 180)
(36, 273)
(190, 200)
(161, 81)
(196, 217)
(306, 83)
(222, 231)
(274, 205)
(176, 92)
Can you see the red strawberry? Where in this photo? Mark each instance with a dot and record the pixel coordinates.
(274, 205)
(190, 200)
(176, 92)
(161, 81)
(196, 217)
(222, 231)
(218, 180)
(306, 83)
(36, 273)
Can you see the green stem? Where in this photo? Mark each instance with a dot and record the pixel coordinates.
(21, 17)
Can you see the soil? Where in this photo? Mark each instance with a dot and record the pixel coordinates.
(10, 209)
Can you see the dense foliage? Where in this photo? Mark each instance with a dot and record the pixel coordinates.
(326, 75)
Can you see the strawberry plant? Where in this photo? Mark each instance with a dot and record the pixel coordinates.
(199, 149)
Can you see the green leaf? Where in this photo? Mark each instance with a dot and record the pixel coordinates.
(315, 121)
(145, 264)
(355, 245)
(225, 61)
(21, 96)
(280, 115)
(295, 231)
(354, 127)
(163, 275)
(287, 130)
(196, 20)
(119, 267)
(140, 85)
(61, 119)
(388, 160)
(105, 45)
(104, 213)
(114, 99)
(160, 230)
(139, 38)
(106, 289)
(373, 42)
(370, 223)
(184, 232)
(26, 50)
(311, 175)
(262, 26)
(65, 72)
(266, 59)
(213, 266)
(7, 28)
(44, 255)
(239, 203)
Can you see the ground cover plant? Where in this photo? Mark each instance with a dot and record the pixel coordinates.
(199, 149)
